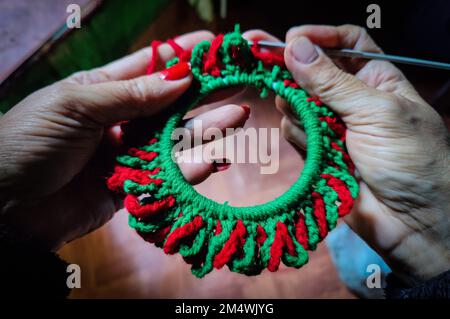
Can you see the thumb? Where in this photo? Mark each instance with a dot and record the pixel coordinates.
(319, 76)
(111, 102)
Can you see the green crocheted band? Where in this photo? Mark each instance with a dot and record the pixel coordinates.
(166, 210)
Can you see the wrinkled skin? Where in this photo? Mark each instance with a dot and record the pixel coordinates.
(399, 144)
(58, 145)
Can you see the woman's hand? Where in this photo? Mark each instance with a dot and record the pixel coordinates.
(399, 144)
(57, 145)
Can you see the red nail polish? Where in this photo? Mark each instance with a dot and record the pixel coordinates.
(176, 72)
(220, 167)
(246, 110)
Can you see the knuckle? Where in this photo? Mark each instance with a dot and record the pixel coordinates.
(292, 32)
(362, 33)
(357, 37)
(68, 100)
(89, 77)
(62, 92)
(352, 34)
(136, 90)
(352, 28)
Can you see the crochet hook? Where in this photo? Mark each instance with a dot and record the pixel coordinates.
(367, 55)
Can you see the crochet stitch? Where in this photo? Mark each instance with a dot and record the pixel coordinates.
(167, 211)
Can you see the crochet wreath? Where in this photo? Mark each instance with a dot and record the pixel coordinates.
(167, 211)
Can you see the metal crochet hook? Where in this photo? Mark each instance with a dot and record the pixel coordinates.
(367, 55)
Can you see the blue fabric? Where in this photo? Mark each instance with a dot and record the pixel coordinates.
(352, 256)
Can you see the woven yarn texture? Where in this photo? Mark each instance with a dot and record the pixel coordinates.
(167, 211)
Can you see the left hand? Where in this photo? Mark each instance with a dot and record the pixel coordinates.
(57, 145)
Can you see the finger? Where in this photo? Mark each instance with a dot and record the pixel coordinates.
(380, 74)
(196, 167)
(344, 36)
(135, 64)
(258, 35)
(196, 173)
(213, 124)
(293, 133)
(285, 108)
(318, 75)
(384, 76)
(111, 102)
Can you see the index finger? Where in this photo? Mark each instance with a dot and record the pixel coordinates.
(135, 64)
(344, 36)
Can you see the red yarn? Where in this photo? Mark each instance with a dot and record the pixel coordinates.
(315, 99)
(282, 239)
(290, 83)
(337, 126)
(268, 58)
(301, 231)
(134, 207)
(343, 193)
(155, 56)
(183, 55)
(320, 214)
(234, 243)
(218, 228)
(261, 235)
(211, 62)
(175, 46)
(143, 155)
(122, 173)
(173, 241)
(345, 157)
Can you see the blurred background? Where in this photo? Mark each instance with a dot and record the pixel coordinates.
(37, 48)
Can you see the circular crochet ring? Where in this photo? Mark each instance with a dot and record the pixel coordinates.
(167, 211)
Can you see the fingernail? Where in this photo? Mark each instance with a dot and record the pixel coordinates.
(247, 110)
(304, 51)
(220, 167)
(176, 72)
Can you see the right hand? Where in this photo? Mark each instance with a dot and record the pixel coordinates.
(398, 143)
